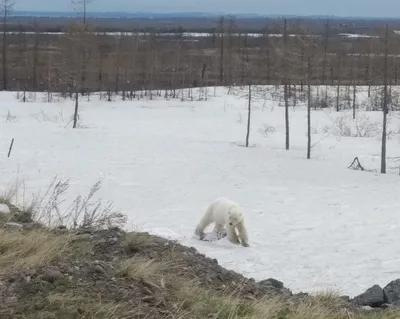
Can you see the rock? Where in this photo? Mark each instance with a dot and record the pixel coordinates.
(52, 276)
(392, 291)
(13, 226)
(373, 297)
(301, 295)
(30, 226)
(273, 285)
(99, 269)
(272, 282)
(100, 283)
(367, 308)
(99, 242)
(396, 304)
(149, 299)
(85, 231)
(147, 291)
(4, 209)
(82, 237)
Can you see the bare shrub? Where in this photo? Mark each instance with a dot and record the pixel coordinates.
(365, 128)
(266, 130)
(10, 118)
(362, 126)
(319, 102)
(43, 117)
(342, 126)
(84, 212)
(326, 129)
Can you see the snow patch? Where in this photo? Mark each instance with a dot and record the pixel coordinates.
(4, 209)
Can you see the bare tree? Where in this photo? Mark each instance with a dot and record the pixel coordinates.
(309, 108)
(353, 81)
(285, 85)
(221, 50)
(77, 41)
(385, 101)
(248, 116)
(6, 7)
(324, 61)
(82, 6)
(35, 57)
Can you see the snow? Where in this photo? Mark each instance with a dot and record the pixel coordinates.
(4, 209)
(314, 224)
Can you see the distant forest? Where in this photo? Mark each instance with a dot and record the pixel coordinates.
(22, 21)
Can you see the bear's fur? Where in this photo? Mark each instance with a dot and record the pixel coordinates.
(228, 216)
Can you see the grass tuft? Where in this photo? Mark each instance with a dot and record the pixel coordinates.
(134, 242)
(29, 249)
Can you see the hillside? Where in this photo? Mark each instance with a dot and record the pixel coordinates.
(88, 273)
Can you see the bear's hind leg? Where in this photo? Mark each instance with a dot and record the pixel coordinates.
(231, 235)
(204, 222)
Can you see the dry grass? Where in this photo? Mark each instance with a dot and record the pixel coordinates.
(191, 299)
(196, 301)
(30, 249)
(70, 305)
(136, 241)
(143, 268)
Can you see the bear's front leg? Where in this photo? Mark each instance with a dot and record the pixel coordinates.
(231, 235)
(244, 238)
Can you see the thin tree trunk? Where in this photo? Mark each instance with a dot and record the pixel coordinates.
(5, 47)
(309, 109)
(339, 64)
(385, 102)
(248, 118)
(76, 104)
(221, 56)
(354, 99)
(286, 93)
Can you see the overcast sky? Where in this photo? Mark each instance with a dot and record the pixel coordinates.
(374, 8)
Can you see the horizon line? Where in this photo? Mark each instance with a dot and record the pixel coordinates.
(255, 15)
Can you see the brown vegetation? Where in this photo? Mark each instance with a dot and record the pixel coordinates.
(137, 62)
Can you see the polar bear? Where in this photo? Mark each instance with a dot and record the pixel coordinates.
(228, 216)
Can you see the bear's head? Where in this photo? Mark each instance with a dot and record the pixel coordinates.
(235, 216)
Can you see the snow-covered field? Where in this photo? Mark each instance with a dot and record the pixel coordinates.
(314, 224)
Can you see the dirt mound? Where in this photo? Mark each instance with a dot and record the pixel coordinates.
(113, 274)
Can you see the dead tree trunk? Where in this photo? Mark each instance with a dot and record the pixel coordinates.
(385, 103)
(285, 84)
(248, 118)
(221, 54)
(309, 108)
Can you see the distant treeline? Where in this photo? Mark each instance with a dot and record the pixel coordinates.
(200, 25)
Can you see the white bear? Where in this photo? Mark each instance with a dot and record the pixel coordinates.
(228, 216)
